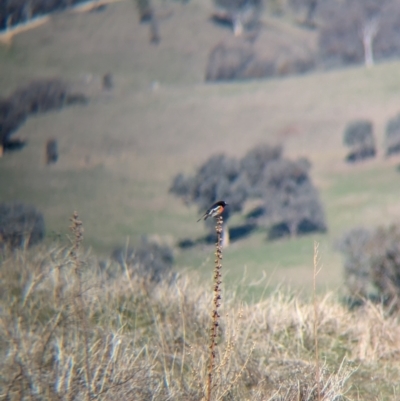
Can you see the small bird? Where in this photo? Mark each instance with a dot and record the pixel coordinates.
(214, 211)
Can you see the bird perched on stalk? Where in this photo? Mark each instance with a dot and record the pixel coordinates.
(214, 211)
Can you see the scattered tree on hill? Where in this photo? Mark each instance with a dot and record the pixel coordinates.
(21, 225)
(356, 31)
(148, 15)
(240, 14)
(145, 10)
(291, 202)
(51, 151)
(372, 264)
(392, 136)
(11, 118)
(359, 137)
(217, 179)
(289, 199)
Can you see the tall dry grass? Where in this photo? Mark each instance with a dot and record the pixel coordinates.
(69, 333)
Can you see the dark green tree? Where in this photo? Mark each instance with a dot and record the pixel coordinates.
(392, 136)
(359, 138)
(291, 201)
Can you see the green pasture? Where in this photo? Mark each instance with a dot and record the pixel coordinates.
(119, 153)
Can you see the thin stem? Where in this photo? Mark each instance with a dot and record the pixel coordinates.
(216, 303)
(77, 229)
(316, 271)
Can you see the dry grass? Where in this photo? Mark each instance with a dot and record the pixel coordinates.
(70, 330)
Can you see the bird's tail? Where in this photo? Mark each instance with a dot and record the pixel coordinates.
(202, 217)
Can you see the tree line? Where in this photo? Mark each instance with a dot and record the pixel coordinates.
(14, 12)
(349, 32)
(38, 96)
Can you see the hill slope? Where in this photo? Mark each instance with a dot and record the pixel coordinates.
(119, 153)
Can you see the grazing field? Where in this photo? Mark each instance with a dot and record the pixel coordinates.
(119, 153)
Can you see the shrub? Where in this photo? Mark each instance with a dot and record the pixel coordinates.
(51, 151)
(20, 225)
(354, 245)
(372, 263)
(150, 260)
(108, 81)
(145, 10)
(392, 136)
(359, 137)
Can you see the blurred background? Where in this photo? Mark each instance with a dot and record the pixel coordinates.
(140, 114)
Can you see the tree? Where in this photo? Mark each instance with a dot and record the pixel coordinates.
(51, 151)
(240, 14)
(359, 31)
(148, 15)
(217, 179)
(254, 163)
(392, 136)
(291, 202)
(283, 187)
(11, 118)
(359, 137)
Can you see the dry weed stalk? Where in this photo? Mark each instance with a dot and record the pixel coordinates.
(79, 303)
(315, 304)
(216, 303)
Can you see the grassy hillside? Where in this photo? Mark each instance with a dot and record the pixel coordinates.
(119, 153)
